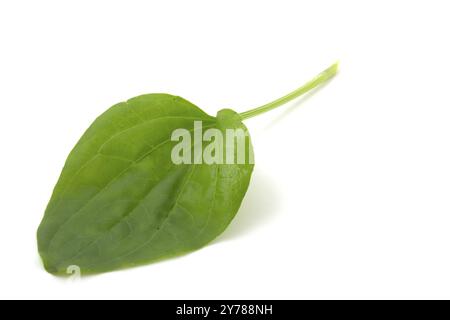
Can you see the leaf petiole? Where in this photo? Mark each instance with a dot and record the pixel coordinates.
(316, 81)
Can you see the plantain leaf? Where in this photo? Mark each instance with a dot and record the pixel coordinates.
(121, 201)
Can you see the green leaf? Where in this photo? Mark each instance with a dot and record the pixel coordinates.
(121, 201)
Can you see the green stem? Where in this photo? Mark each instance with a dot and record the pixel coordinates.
(319, 79)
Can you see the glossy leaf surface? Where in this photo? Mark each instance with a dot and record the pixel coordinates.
(120, 201)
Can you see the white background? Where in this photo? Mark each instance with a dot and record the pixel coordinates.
(350, 197)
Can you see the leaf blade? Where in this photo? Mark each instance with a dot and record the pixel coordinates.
(118, 208)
